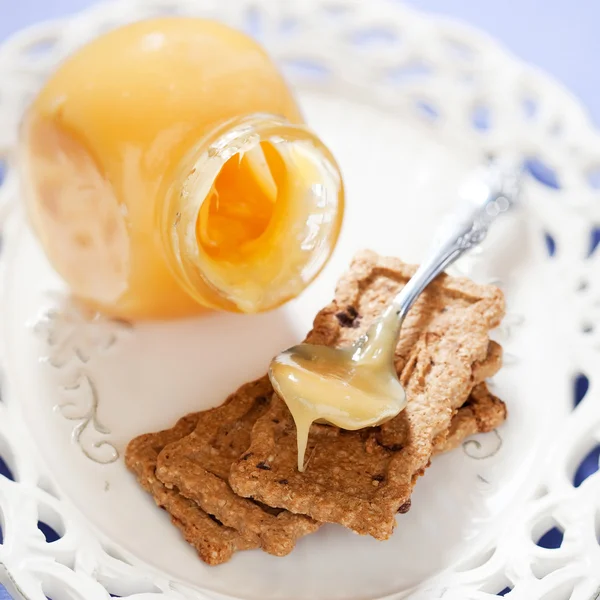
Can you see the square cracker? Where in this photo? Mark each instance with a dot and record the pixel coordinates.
(198, 466)
(361, 479)
(214, 542)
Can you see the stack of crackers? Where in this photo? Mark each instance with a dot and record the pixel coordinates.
(228, 476)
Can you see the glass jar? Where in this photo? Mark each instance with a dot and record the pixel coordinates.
(167, 168)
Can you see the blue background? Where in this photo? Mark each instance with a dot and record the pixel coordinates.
(559, 36)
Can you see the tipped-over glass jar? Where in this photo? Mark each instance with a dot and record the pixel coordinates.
(167, 168)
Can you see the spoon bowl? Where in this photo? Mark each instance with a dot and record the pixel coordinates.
(347, 387)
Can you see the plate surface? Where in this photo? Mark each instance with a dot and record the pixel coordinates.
(80, 388)
(401, 179)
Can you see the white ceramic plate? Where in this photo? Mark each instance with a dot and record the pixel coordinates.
(383, 90)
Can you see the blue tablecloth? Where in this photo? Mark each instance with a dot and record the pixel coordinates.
(559, 36)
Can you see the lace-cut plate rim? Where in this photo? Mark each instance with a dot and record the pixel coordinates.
(408, 104)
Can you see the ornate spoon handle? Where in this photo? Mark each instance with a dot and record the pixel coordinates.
(492, 191)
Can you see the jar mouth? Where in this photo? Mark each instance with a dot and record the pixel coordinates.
(259, 213)
(241, 204)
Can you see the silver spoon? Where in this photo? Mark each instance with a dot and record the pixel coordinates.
(358, 387)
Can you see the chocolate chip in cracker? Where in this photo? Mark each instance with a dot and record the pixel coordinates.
(348, 317)
(393, 447)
